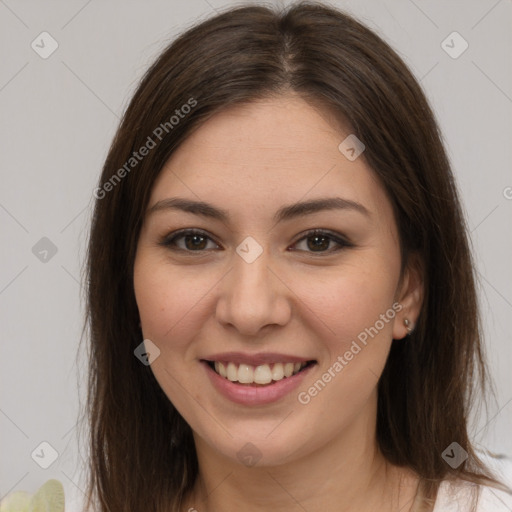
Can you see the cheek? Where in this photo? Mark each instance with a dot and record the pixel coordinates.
(350, 300)
(169, 299)
(355, 307)
(357, 315)
(169, 302)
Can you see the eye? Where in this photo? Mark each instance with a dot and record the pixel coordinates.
(319, 241)
(192, 240)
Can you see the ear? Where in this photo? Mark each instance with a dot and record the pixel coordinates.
(410, 295)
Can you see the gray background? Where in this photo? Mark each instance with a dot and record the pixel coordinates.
(58, 116)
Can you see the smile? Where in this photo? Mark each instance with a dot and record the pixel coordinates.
(260, 375)
(250, 392)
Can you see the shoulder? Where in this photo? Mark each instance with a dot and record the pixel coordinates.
(458, 495)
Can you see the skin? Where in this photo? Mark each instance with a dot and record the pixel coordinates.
(251, 160)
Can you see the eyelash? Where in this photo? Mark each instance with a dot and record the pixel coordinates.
(169, 241)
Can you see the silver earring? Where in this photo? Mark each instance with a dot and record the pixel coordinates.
(408, 326)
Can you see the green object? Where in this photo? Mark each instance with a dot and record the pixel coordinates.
(48, 498)
(18, 501)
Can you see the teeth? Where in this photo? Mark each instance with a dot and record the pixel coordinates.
(288, 369)
(220, 369)
(245, 374)
(263, 374)
(277, 371)
(232, 372)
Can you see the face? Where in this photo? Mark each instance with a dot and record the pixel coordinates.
(264, 287)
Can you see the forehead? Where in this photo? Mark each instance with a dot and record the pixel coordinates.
(277, 131)
(269, 152)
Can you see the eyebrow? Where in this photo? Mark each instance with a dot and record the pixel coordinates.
(285, 213)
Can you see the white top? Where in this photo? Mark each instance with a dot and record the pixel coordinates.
(456, 497)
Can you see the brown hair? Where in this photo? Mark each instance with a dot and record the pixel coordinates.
(142, 451)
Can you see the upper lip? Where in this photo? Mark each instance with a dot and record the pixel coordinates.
(256, 359)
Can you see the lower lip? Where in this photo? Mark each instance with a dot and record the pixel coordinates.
(255, 395)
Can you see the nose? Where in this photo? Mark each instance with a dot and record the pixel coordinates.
(253, 296)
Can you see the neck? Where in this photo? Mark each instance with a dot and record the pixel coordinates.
(348, 473)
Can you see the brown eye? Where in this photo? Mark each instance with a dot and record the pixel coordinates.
(193, 242)
(189, 241)
(319, 241)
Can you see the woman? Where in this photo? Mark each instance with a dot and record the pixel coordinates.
(281, 296)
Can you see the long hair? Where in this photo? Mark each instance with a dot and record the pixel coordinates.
(142, 454)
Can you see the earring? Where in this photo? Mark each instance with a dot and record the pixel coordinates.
(408, 326)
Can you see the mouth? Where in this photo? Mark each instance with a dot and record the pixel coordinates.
(257, 376)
